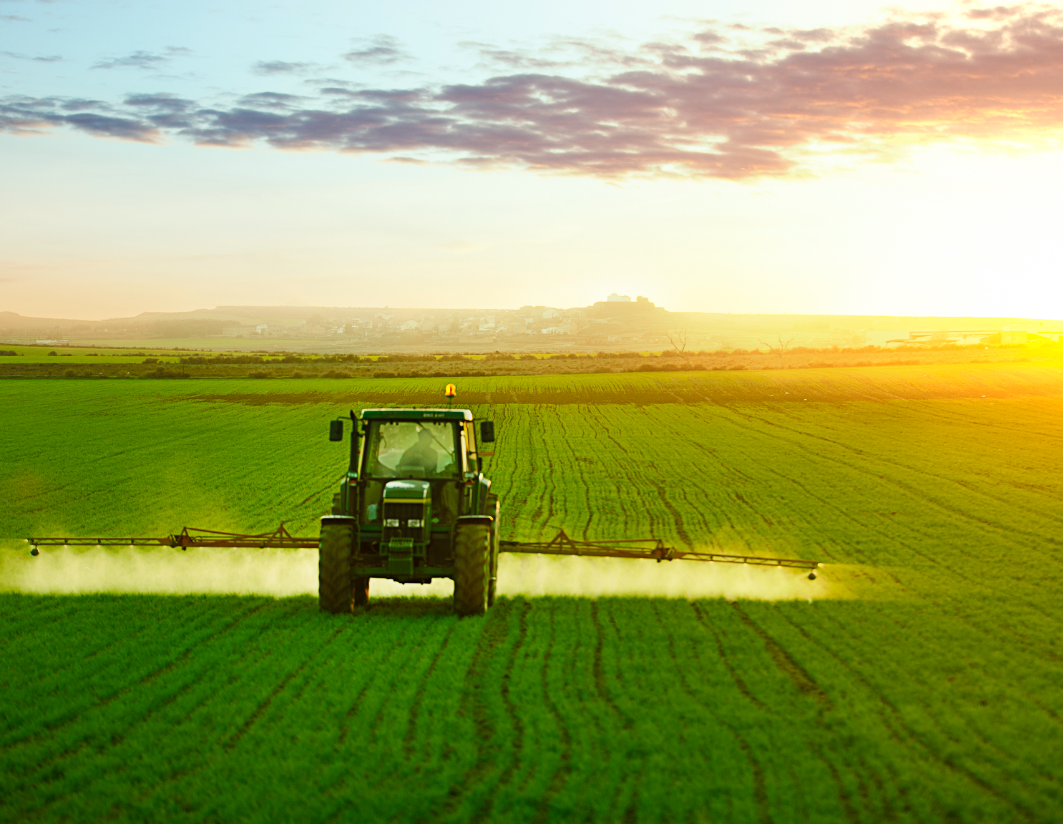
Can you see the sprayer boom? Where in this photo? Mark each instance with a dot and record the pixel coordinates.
(280, 538)
(649, 548)
(653, 549)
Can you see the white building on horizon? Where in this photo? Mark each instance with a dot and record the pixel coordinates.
(615, 298)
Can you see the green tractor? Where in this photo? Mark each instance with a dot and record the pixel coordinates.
(414, 506)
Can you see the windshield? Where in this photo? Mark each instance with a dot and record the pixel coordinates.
(412, 449)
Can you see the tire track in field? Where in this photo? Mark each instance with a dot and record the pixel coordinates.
(493, 636)
(630, 481)
(602, 689)
(264, 705)
(695, 508)
(804, 682)
(807, 687)
(582, 484)
(72, 662)
(550, 484)
(887, 538)
(77, 749)
(560, 777)
(235, 676)
(382, 650)
(630, 814)
(599, 670)
(751, 424)
(418, 698)
(829, 505)
(576, 462)
(989, 675)
(892, 539)
(760, 792)
(373, 733)
(50, 730)
(511, 708)
(536, 516)
(896, 720)
(679, 522)
(924, 495)
(966, 724)
(843, 794)
(949, 416)
(739, 682)
(377, 664)
(601, 430)
(934, 477)
(34, 610)
(170, 699)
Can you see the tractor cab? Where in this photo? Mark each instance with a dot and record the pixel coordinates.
(409, 454)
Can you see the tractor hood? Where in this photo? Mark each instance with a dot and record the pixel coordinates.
(408, 490)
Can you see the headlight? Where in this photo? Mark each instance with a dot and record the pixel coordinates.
(416, 522)
(393, 522)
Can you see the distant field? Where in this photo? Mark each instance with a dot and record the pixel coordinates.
(933, 492)
(86, 362)
(220, 343)
(80, 354)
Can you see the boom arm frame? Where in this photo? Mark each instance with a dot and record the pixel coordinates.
(653, 549)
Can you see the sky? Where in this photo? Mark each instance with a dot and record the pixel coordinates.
(823, 158)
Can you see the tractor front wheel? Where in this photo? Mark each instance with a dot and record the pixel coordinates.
(472, 565)
(334, 564)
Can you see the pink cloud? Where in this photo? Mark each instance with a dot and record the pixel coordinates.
(732, 102)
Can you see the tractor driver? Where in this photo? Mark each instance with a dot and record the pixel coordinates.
(422, 455)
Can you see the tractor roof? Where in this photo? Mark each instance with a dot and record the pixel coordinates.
(416, 415)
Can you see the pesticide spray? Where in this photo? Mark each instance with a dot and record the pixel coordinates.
(291, 572)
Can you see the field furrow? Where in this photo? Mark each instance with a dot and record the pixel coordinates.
(915, 681)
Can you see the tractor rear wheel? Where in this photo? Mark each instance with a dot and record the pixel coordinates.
(334, 565)
(361, 591)
(472, 566)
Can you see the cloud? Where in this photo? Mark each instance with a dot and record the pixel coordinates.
(27, 115)
(53, 58)
(731, 102)
(271, 100)
(14, 18)
(136, 60)
(268, 67)
(143, 59)
(381, 50)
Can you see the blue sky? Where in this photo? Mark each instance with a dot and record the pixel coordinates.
(926, 188)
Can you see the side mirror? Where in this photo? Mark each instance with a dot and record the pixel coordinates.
(487, 431)
(335, 430)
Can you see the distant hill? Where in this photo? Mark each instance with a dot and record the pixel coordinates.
(636, 325)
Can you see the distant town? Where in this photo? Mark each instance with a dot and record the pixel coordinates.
(616, 323)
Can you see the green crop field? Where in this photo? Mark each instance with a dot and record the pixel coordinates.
(917, 680)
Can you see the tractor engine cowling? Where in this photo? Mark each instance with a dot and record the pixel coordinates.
(407, 519)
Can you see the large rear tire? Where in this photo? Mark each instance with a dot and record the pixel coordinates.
(334, 565)
(472, 566)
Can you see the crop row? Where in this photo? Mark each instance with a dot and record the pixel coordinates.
(933, 696)
(650, 710)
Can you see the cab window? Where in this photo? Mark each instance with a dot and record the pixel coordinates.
(412, 449)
